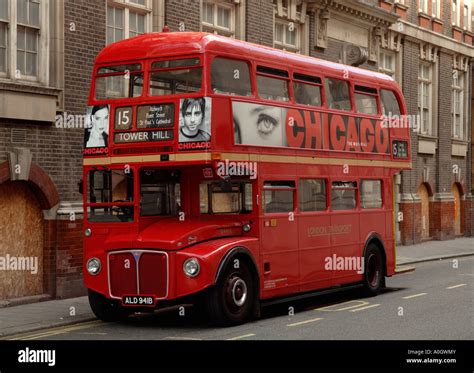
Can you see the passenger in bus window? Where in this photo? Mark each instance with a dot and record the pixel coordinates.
(194, 124)
(259, 124)
(98, 134)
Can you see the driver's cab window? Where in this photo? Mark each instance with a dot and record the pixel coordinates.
(160, 192)
(107, 186)
(225, 197)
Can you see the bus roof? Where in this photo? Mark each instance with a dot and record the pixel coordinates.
(166, 44)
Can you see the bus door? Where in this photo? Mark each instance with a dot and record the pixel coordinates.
(314, 234)
(279, 238)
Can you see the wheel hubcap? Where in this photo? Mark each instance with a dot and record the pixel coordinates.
(237, 291)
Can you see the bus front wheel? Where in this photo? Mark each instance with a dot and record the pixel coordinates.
(231, 300)
(374, 279)
(106, 309)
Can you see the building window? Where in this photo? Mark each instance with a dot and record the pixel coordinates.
(22, 32)
(455, 14)
(287, 35)
(115, 24)
(127, 19)
(467, 18)
(4, 18)
(291, 29)
(218, 17)
(137, 23)
(27, 37)
(387, 63)
(425, 88)
(436, 8)
(458, 105)
(423, 6)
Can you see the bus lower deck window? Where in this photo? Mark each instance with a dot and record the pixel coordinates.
(278, 196)
(312, 195)
(371, 194)
(343, 195)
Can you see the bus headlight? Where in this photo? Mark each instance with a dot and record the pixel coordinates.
(191, 267)
(93, 266)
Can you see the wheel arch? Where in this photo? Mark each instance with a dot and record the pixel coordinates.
(245, 254)
(375, 238)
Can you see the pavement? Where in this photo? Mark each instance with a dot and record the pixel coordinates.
(48, 314)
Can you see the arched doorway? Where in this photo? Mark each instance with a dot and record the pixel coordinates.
(457, 219)
(21, 244)
(424, 195)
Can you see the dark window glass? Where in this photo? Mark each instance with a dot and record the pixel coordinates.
(111, 187)
(175, 81)
(278, 196)
(225, 198)
(371, 194)
(366, 104)
(160, 192)
(343, 195)
(337, 94)
(307, 94)
(312, 195)
(272, 89)
(389, 103)
(169, 64)
(230, 77)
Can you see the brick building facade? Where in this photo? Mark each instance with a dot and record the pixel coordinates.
(426, 48)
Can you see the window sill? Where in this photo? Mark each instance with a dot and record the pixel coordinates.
(459, 148)
(28, 87)
(427, 144)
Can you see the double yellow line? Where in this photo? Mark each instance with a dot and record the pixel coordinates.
(53, 331)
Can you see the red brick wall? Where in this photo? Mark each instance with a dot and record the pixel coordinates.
(410, 232)
(441, 220)
(69, 279)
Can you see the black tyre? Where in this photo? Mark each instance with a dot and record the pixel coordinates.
(231, 300)
(106, 309)
(374, 276)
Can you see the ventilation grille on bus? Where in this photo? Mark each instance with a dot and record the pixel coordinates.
(18, 135)
(148, 149)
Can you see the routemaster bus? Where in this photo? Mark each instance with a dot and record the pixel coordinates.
(234, 173)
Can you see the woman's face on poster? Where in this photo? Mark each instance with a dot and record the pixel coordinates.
(100, 120)
(259, 125)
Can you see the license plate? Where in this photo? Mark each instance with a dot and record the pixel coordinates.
(138, 300)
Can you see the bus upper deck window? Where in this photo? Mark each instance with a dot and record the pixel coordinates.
(307, 89)
(366, 100)
(230, 77)
(272, 84)
(171, 77)
(389, 103)
(337, 94)
(119, 81)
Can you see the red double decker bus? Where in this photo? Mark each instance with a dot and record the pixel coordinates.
(221, 170)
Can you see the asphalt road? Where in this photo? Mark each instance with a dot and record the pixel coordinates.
(434, 302)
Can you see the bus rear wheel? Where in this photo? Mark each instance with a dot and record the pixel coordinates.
(374, 279)
(105, 309)
(232, 299)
